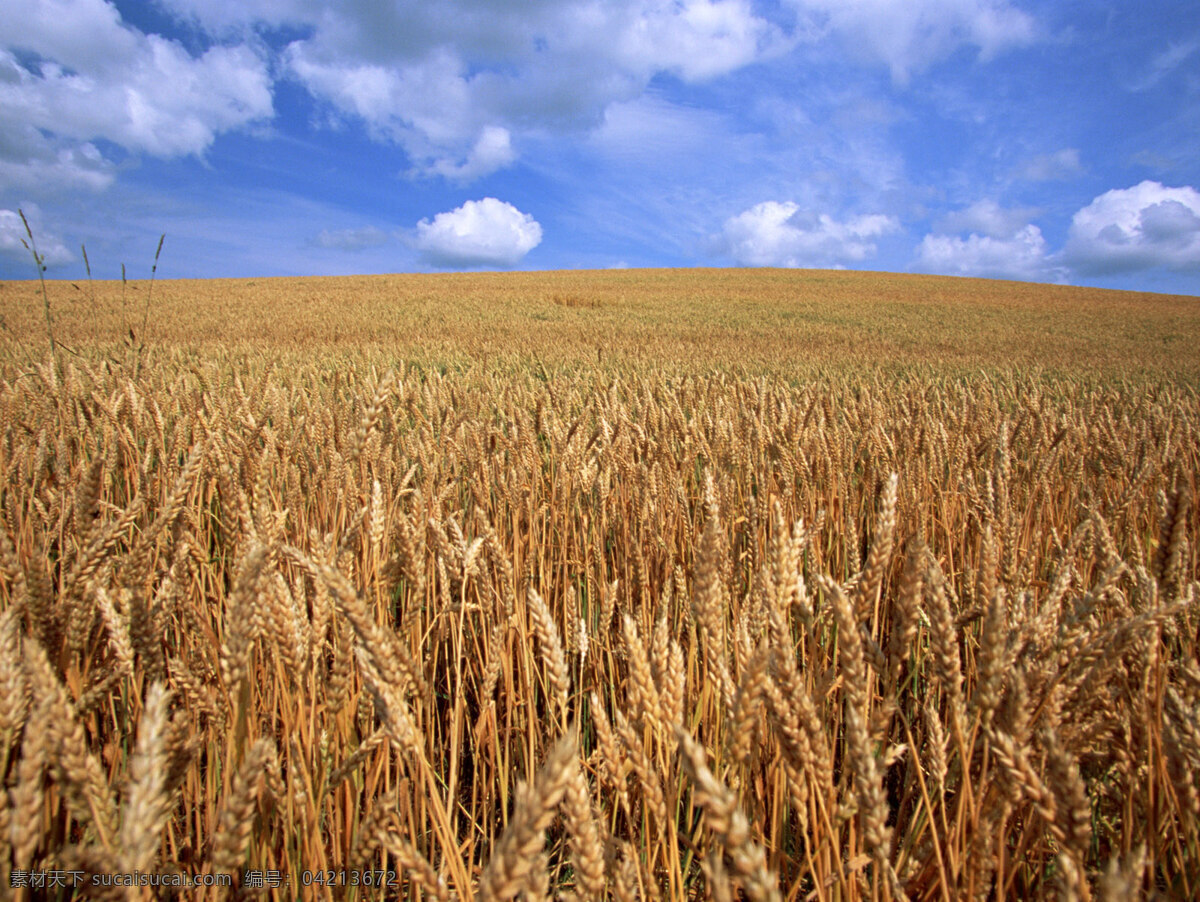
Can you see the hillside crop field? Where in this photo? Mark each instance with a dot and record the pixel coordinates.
(646, 584)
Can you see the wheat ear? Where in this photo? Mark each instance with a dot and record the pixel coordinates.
(512, 863)
(729, 823)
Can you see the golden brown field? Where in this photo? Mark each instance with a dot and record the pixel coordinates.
(641, 584)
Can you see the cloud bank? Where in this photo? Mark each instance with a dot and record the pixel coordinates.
(1146, 227)
(454, 83)
(635, 119)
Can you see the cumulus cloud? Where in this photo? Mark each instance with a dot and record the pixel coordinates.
(1143, 227)
(1022, 255)
(782, 234)
(351, 239)
(486, 232)
(12, 234)
(910, 36)
(75, 71)
(1124, 230)
(453, 82)
(989, 241)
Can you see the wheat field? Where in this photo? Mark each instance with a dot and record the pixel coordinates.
(635, 585)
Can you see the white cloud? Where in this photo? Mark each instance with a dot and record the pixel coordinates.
(989, 241)
(351, 239)
(696, 38)
(1124, 230)
(12, 234)
(1146, 226)
(425, 106)
(74, 71)
(452, 83)
(1021, 255)
(32, 162)
(909, 36)
(485, 232)
(493, 150)
(781, 234)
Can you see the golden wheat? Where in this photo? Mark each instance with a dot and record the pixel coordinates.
(900, 621)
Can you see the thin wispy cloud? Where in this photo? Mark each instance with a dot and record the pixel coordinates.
(1167, 61)
(987, 218)
(351, 239)
(1054, 166)
(286, 136)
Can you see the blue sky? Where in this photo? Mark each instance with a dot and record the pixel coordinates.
(1042, 141)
